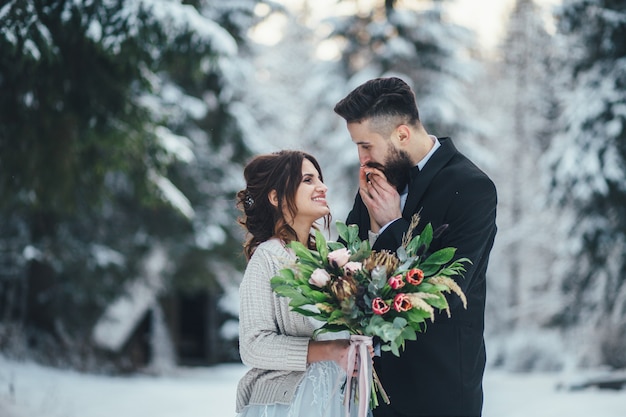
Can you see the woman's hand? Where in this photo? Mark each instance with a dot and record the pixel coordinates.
(334, 350)
(329, 350)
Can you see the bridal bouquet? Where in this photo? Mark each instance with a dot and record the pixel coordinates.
(349, 287)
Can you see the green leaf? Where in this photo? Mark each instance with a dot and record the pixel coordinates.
(299, 300)
(440, 302)
(417, 315)
(285, 276)
(342, 230)
(399, 322)
(431, 288)
(408, 333)
(287, 291)
(429, 270)
(320, 244)
(304, 253)
(334, 328)
(309, 313)
(424, 238)
(402, 254)
(314, 295)
(335, 315)
(350, 234)
(363, 251)
(455, 268)
(335, 245)
(394, 348)
(441, 257)
(353, 233)
(305, 270)
(277, 281)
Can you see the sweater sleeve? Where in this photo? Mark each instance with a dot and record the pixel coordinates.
(263, 342)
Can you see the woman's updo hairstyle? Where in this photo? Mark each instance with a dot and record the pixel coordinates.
(280, 171)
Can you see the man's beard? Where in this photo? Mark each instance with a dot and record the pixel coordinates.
(397, 168)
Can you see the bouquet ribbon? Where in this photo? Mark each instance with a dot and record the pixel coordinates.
(359, 360)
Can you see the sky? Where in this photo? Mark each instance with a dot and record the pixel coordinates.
(486, 17)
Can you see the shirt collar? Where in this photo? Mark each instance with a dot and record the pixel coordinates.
(425, 159)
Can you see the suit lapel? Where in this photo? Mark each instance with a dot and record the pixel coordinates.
(418, 187)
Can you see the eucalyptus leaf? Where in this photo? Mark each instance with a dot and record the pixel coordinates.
(402, 255)
(399, 322)
(379, 276)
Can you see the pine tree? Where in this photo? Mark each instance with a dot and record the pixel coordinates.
(516, 97)
(588, 160)
(292, 105)
(527, 94)
(116, 131)
(418, 42)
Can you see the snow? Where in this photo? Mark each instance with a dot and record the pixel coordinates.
(29, 390)
(178, 147)
(170, 193)
(105, 256)
(121, 317)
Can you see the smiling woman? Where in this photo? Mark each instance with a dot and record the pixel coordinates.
(310, 199)
(284, 196)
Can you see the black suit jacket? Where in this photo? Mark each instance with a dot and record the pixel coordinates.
(441, 373)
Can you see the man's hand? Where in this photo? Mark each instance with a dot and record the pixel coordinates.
(381, 198)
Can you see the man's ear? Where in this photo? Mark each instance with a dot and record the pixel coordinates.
(273, 198)
(404, 133)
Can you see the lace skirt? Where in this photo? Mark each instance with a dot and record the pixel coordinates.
(320, 394)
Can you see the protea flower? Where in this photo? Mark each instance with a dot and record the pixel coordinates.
(343, 287)
(382, 258)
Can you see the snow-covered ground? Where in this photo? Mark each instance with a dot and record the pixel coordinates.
(28, 390)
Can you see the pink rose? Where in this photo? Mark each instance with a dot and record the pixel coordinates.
(396, 282)
(352, 267)
(402, 303)
(415, 276)
(340, 257)
(319, 278)
(379, 306)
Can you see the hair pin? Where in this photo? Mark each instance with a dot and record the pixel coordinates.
(248, 201)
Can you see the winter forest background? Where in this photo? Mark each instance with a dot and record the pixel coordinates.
(125, 126)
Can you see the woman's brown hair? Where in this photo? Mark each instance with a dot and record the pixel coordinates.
(280, 171)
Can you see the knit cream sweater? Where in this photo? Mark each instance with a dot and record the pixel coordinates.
(273, 340)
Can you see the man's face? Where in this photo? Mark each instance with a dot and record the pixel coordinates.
(372, 147)
(378, 152)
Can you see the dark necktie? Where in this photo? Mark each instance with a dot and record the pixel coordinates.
(414, 174)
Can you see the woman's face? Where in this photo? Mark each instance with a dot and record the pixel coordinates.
(310, 196)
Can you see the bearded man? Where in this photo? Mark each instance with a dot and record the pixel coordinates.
(404, 171)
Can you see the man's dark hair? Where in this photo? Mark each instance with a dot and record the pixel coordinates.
(380, 97)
